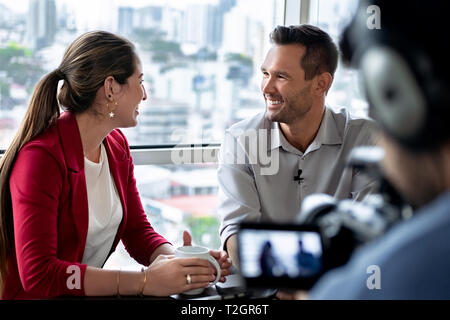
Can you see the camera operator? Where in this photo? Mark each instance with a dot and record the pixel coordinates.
(407, 80)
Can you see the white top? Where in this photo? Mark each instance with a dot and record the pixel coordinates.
(257, 166)
(105, 210)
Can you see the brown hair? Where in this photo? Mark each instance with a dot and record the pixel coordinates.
(86, 63)
(321, 52)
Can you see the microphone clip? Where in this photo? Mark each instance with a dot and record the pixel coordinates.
(297, 177)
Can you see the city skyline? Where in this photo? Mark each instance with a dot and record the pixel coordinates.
(21, 6)
(238, 36)
(98, 7)
(222, 29)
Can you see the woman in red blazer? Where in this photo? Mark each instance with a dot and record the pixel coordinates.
(43, 191)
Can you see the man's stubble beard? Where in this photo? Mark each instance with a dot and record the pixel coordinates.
(290, 112)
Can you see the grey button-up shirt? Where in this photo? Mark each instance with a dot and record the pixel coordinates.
(257, 166)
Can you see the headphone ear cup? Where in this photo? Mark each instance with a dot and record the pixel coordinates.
(395, 97)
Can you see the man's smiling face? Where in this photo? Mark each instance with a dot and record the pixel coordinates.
(286, 92)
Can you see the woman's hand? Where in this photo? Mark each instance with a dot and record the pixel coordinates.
(167, 275)
(220, 255)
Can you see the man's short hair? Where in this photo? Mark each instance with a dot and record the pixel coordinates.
(321, 52)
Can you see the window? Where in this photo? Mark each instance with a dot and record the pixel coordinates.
(332, 16)
(178, 197)
(200, 59)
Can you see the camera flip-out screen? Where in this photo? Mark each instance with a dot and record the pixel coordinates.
(280, 256)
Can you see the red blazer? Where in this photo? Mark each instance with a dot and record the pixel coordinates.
(50, 210)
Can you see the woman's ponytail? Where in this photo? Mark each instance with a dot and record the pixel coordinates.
(43, 110)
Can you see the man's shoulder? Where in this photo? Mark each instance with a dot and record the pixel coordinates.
(355, 129)
(421, 242)
(413, 238)
(351, 120)
(258, 121)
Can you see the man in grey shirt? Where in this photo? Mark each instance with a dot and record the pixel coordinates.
(299, 146)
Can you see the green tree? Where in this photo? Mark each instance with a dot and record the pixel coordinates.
(200, 226)
(167, 53)
(146, 36)
(239, 58)
(19, 65)
(26, 74)
(4, 88)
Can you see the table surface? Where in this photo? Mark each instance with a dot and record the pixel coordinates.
(233, 288)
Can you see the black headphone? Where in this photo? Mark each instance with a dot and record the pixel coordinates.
(407, 92)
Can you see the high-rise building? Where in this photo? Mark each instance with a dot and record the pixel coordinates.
(125, 24)
(204, 23)
(160, 123)
(148, 17)
(195, 24)
(216, 21)
(41, 23)
(6, 15)
(172, 23)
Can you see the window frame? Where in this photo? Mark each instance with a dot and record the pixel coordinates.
(163, 154)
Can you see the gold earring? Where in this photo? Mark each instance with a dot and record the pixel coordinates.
(111, 112)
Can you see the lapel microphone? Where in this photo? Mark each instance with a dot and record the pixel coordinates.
(297, 177)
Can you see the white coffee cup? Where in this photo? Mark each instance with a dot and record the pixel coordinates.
(198, 252)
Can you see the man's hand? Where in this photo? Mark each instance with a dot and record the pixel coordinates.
(231, 247)
(224, 263)
(220, 255)
(187, 239)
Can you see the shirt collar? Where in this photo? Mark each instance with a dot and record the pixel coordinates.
(328, 134)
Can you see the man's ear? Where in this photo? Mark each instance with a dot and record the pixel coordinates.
(322, 83)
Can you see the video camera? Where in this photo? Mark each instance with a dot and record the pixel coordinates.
(328, 230)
